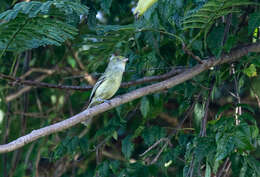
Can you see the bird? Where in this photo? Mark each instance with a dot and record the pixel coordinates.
(108, 83)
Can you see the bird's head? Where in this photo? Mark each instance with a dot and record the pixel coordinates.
(118, 59)
(117, 62)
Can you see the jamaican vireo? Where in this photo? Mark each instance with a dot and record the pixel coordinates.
(108, 84)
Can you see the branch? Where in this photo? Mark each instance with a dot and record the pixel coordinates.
(143, 80)
(189, 52)
(169, 83)
(25, 89)
(205, 117)
(37, 70)
(87, 76)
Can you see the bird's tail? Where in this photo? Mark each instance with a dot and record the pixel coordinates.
(89, 120)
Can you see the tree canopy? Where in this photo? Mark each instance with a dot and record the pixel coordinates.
(188, 105)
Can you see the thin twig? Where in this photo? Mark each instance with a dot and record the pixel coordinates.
(238, 108)
(37, 70)
(189, 52)
(23, 90)
(227, 169)
(205, 117)
(87, 76)
(86, 88)
(169, 137)
(160, 152)
(227, 28)
(223, 168)
(153, 146)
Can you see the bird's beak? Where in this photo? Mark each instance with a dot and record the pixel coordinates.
(125, 59)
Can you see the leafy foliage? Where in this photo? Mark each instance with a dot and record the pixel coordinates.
(33, 24)
(162, 134)
(206, 16)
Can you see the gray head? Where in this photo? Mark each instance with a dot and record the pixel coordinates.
(117, 63)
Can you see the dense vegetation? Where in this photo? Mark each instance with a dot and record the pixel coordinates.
(191, 90)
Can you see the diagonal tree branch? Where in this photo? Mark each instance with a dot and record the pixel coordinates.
(173, 81)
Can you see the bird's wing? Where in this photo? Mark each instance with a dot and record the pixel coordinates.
(99, 82)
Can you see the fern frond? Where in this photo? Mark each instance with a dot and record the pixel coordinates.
(204, 17)
(212, 11)
(35, 33)
(34, 8)
(46, 24)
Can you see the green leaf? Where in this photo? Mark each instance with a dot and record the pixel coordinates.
(72, 62)
(242, 137)
(222, 109)
(208, 170)
(253, 22)
(145, 106)
(247, 107)
(225, 145)
(254, 164)
(247, 116)
(114, 165)
(243, 169)
(250, 71)
(230, 43)
(73, 144)
(33, 24)
(215, 40)
(103, 169)
(198, 114)
(105, 5)
(152, 134)
(127, 147)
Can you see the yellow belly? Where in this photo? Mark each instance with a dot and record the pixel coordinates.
(109, 87)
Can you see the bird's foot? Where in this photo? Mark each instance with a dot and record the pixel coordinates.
(103, 100)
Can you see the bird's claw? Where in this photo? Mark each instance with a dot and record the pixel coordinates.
(103, 100)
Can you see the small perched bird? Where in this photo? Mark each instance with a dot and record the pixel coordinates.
(108, 84)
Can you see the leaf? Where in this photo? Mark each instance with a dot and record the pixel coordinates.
(103, 169)
(254, 164)
(142, 6)
(105, 5)
(230, 43)
(198, 114)
(225, 145)
(152, 134)
(114, 165)
(208, 170)
(243, 170)
(214, 42)
(247, 116)
(250, 71)
(83, 145)
(145, 106)
(72, 62)
(222, 109)
(253, 22)
(242, 137)
(33, 24)
(247, 107)
(127, 147)
(203, 146)
(73, 144)
(115, 135)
